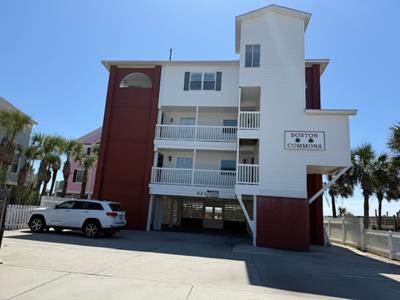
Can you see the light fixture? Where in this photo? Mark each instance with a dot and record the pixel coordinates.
(169, 158)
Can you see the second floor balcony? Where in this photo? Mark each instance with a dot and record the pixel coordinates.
(196, 133)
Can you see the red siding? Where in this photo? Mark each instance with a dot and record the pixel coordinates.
(313, 98)
(283, 223)
(314, 184)
(126, 152)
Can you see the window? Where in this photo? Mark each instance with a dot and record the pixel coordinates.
(66, 205)
(208, 81)
(213, 213)
(252, 56)
(195, 81)
(78, 176)
(135, 80)
(88, 205)
(88, 150)
(14, 165)
(228, 165)
(229, 123)
(115, 207)
(184, 162)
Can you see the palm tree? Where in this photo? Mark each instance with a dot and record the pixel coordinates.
(394, 142)
(70, 149)
(12, 123)
(385, 183)
(55, 165)
(47, 146)
(29, 154)
(343, 187)
(363, 159)
(87, 162)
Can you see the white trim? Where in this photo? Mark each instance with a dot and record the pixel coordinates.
(344, 112)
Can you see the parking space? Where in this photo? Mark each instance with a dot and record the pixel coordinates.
(172, 265)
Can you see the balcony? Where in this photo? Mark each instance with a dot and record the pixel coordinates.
(248, 174)
(193, 177)
(249, 120)
(196, 133)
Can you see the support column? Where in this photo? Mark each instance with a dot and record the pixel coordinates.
(150, 213)
(255, 220)
(194, 165)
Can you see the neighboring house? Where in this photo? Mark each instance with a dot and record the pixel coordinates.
(230, 145)
(23, 139)
(89, 141)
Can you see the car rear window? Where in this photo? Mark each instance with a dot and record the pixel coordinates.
(116, 207)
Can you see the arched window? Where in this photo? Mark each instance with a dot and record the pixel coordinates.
(135, 80)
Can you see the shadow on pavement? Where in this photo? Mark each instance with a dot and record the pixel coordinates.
(324, 271)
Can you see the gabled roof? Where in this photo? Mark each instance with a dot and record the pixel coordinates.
(264, 10)
(7, 106)
(91, 137)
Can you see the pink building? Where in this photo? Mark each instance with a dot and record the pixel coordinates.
(89, 140)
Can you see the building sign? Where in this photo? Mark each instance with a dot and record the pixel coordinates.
(305, 140)
(212, 194)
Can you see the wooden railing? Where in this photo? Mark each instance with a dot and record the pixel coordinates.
(196, 133)
(249, 120)
(247, 174)
(197, 177)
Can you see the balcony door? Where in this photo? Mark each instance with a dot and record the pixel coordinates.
(187, 133)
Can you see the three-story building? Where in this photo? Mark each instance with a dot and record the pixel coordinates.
(235, 145)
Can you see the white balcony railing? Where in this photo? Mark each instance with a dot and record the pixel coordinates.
(196, 133)
(197, 177)
(248, 174)
(249, 120)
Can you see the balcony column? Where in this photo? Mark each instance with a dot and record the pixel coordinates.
(196, 122)
(194, 165)
(237, 159)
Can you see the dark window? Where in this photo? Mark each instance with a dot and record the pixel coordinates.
(228, 165)
(135, 80)
(78, 176)
(195, 81)
(66, 205)
(116, 207)
(88, 205)
(186, 81)
(88, 150)
(209, 81)
(14, 165)
(252, 56)
(229, 123)
(219, 80)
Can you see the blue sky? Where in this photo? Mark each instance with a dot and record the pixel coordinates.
(50, 54)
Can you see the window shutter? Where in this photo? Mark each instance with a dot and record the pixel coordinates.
(186, 83)
(74, 177)
(219, 79)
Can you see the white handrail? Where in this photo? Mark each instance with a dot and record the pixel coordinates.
(200, 177)
(249, 120)
(247, 174)
(196, 133)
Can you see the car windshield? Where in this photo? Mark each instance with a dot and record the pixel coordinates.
(116, 207)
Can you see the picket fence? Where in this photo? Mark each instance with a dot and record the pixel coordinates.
(351, 232)
(17, 216)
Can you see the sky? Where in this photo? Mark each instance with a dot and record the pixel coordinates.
(50, 53)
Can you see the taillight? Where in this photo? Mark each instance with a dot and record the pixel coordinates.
(111, 214)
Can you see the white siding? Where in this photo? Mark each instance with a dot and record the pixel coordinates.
(172, 80)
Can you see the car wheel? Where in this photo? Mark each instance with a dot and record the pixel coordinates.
(91, 229)
(37, 224)
(109, 232)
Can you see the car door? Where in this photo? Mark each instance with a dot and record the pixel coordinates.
(81, 213)
(61, 215)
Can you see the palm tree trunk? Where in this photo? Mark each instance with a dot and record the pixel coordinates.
(53, 181)
(366, 209)
(41, 175)
(83, 185)
(66, 173)
(44, 189)
(333, 207)
(380, 212)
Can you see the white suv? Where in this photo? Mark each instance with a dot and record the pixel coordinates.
(90, 216)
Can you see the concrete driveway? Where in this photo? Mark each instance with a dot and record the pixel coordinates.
(167, 265)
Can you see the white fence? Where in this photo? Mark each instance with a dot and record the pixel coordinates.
(350, 231)
(215, 178)
(249, 120)
(196, 133)
(17, 216)
(248, 174)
